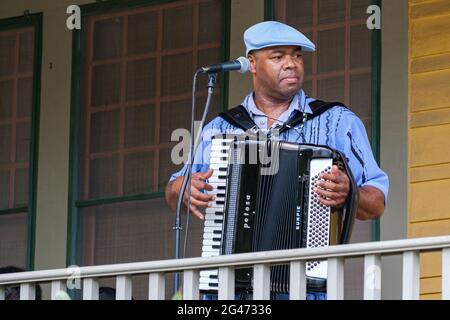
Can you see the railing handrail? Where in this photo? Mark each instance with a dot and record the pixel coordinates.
(243, 259)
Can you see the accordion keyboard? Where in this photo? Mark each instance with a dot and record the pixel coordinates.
(212, 232)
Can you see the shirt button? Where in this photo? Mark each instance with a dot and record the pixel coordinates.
(262, 122)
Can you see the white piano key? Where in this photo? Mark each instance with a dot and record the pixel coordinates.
(211, 223)
(218, 154)
(208, 242)
(218, 161)
(209, 280)
(214, 180)
(214, 216)
(207, 273)
(211, 235)
(220, 158)
(208, 254)
(217, 188)
(218, 207)
(210, 249)
(209, 229)
(221, 141)
(219, 185)
(210, 216)
(212, 210)
(219, 167)
(219, 147)
(219, 198)
(219, 175)
(206, 287)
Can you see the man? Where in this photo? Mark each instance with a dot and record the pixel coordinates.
(275, 52)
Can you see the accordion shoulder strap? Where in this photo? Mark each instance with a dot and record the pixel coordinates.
(239, 117)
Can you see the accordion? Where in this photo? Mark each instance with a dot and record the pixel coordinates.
(264, 200)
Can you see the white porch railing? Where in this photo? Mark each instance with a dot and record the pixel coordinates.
(260, 261)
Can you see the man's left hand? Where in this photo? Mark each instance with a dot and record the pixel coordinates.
(333, 188)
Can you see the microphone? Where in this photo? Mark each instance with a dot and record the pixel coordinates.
(241, 65)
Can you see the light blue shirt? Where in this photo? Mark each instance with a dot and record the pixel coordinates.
(338, 128)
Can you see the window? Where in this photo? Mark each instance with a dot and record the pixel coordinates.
(341, 69)
(137, 66)
(19, 76)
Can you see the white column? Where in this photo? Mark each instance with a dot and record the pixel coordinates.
(335, 280)
(372, 277)
(190, 285)
(57, 287)
(27, 291)
(261, 282)
(90, 289)
(226, 283)
(297, 287)
(446, 274)
(123, 287)
(411, 275)
(156, 286)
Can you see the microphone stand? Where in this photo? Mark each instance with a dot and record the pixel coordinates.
(187, 173)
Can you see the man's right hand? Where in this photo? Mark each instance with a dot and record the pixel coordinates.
(198, 199)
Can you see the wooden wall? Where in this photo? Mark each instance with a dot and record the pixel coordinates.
(429, 131)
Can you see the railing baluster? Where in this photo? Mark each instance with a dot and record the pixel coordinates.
(57, 287)
(372, 277)
(27, 291)
(446, 274)
(297, 286)
(2, 293)
(335, 280)
(226, 283)
(90, 289)
(190, 285)
(156, 286)
(261, 278)
(411, 275)
(123, 287)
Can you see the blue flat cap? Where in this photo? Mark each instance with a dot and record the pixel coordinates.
(273, 33)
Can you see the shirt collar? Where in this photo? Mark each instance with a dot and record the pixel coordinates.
(299, 103)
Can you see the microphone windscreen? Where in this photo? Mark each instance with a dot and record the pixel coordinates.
(245, 64)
